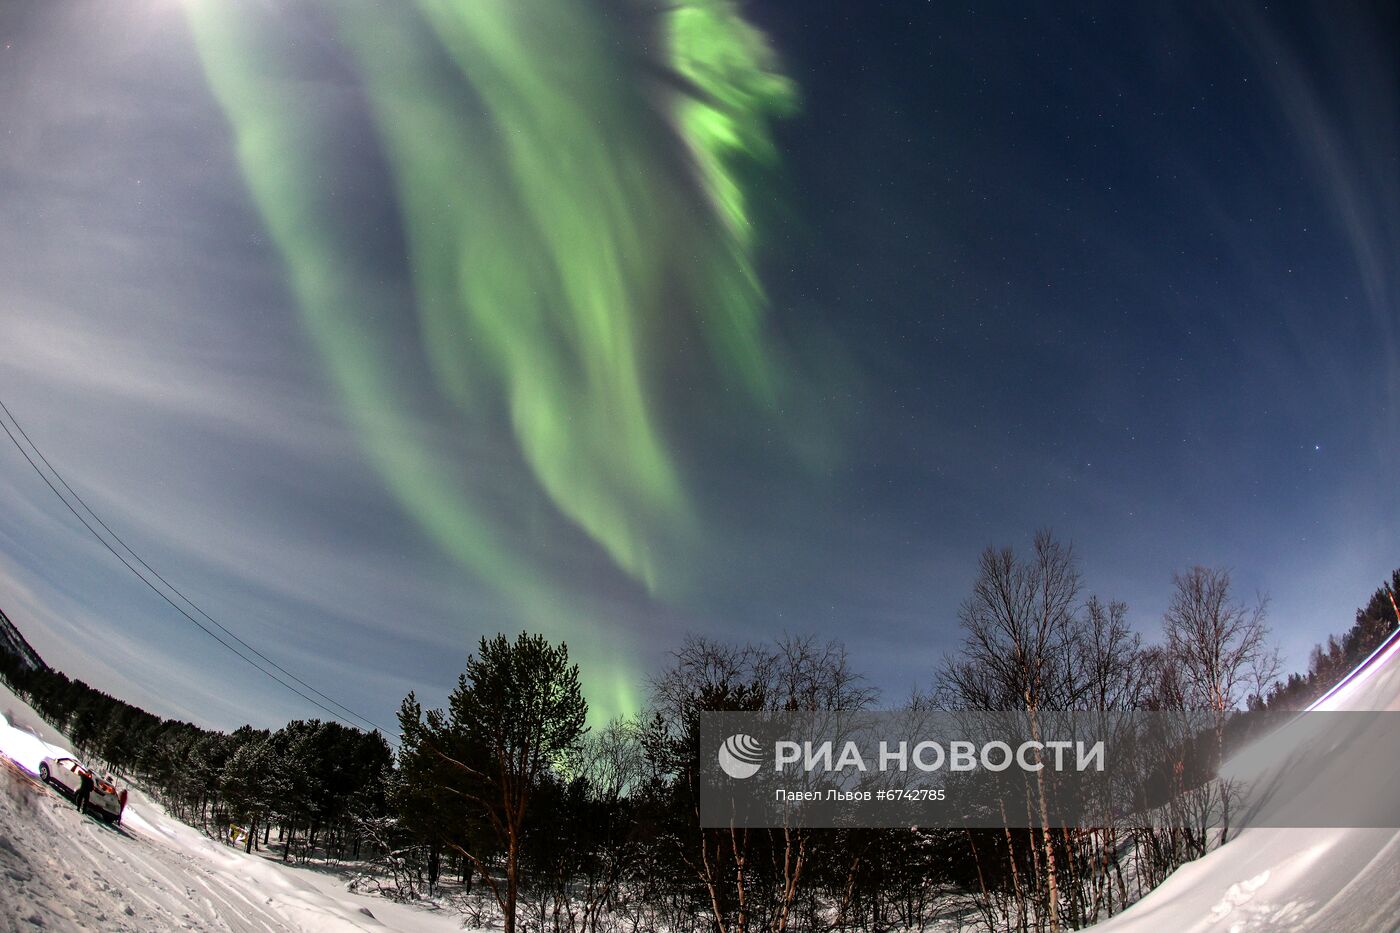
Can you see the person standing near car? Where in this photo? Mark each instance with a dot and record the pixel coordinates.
(84, 791)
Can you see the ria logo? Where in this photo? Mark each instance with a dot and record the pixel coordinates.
(741, 756)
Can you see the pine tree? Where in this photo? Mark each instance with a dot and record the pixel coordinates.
(516, 715)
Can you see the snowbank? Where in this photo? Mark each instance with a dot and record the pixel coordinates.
(1293, 879)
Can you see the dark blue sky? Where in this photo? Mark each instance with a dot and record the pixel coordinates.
(1123, 270)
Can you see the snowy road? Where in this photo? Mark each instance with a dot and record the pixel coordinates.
(63, 871)
(66, 871)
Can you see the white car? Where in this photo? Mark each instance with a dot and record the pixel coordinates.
(67, 775)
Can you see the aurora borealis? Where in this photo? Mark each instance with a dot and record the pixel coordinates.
(559, 206)
(384, 326)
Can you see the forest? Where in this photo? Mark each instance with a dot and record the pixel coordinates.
(505, 805)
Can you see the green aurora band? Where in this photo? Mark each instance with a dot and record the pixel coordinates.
(560, 196)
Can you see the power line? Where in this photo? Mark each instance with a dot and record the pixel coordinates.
(167, 583)
(161, 593)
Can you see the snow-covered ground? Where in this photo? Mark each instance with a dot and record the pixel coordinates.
(1294, 879)
(63, 871)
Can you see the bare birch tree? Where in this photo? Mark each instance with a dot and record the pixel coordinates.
(1221, 647)
(1222, 644)
(1020, 631)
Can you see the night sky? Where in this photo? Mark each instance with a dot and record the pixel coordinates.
(379, 327)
